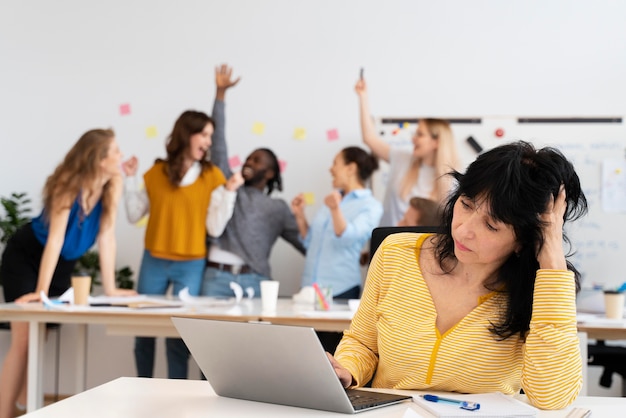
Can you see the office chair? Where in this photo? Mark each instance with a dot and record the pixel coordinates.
(380, 233)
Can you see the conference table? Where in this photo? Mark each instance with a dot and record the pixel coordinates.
(135, 397)
(156, 322)
(153, 321)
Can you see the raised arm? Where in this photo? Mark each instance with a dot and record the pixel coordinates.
(219, 149)
(136, 200)
(380, 148)
(297, 207)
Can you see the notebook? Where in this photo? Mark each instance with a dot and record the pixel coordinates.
(276, 364)
(491, 405)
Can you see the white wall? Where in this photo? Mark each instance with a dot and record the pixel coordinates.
(67, 66)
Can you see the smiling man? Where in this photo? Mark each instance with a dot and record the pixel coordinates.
(241, 253)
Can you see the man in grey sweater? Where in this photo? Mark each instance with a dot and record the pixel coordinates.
(241, 254)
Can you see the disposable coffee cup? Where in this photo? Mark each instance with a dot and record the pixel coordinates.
(82, 287)
(614, 304)
(269, 295)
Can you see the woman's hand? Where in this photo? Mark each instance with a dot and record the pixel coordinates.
(333, 200)
(361, 88)
(345, 377)
(29, 297)
(234, 182)
(122, 292)
(129, 167)
(551, 255)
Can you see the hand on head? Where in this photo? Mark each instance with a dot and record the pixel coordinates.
(234, 182)
(129, 167)
(223, 74)
(333, 200)
(550, 254)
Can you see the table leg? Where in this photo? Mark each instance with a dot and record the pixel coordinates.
(81, 358)
(36, 341)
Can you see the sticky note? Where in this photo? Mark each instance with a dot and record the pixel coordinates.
(395, 131)
(309, 198)
(125, 109)
(142, 222)
(151, 132)
(283, 165)
(332, 134)
(258, 128)
(405, 125)
(234, 161)
(299, 134)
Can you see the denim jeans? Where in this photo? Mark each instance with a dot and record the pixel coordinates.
(155, 276)
(217, 282)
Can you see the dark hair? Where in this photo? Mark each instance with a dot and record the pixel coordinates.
(365, 162)
(428, 210)
(517, 182)
(277, 180)
(190, 122)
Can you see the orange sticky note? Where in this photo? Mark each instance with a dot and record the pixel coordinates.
(299, 134)
(151, 132)
(332, 134)
(125, 109)
(309, 198)
(258, 128)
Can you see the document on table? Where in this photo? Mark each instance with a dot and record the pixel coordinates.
(491, 405)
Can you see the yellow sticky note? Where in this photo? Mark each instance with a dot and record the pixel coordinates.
(151, 132)
(405, 125)
(258, 128)
(142, 222)
(299, 134)
(309, 198)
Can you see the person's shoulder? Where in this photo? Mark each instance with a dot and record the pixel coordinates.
(404, 239)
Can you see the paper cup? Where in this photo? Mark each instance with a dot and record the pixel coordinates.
(614, 305)
(269, 295)
(82, 287)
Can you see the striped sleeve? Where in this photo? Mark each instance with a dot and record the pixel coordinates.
(552, 368)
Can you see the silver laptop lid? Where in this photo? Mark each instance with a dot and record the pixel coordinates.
(277, 364)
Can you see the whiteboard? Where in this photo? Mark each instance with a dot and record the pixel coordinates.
(591, 144)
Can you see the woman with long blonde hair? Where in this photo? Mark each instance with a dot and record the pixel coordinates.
(79, 209)
(419, 172)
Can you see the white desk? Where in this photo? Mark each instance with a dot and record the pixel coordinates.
(148, 322)
(132, 397)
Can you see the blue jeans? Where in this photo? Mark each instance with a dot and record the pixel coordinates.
(217, 282)
(155, 276)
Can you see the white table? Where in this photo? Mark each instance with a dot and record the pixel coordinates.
(151, 323)
(132, 397)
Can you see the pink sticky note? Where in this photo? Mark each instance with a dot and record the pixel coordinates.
(125, 109)
(234, 161)
(332, 134)
(283, 165)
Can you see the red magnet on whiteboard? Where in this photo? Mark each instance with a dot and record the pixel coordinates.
(499, 132)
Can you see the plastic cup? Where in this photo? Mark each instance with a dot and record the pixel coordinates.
(269, 295)
(82, 288)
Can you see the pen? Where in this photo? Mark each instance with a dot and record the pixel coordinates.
(321, 297)
(470, 406)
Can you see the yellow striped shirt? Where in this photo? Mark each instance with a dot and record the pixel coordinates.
(393, 335)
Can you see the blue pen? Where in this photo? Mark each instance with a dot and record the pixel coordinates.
(469, 406)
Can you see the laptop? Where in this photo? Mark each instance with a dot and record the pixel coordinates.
(277, 364)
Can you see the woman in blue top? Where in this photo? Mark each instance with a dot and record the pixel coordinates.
(336, 237)
(79, 206)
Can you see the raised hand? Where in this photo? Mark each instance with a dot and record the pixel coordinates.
(361, 88)
(297, 205)
(234, 182)
(223, 77)
(333, 200)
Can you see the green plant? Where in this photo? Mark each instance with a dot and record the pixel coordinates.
(89, 264)
(15, 215)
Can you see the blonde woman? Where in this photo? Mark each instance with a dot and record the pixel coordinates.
(79, 208)
(418, 172)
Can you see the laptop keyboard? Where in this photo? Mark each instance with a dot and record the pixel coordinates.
(361, 399)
